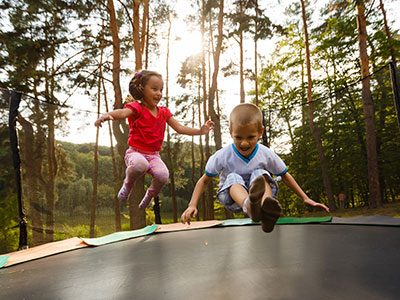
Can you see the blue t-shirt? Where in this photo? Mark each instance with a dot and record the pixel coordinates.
(229, 160)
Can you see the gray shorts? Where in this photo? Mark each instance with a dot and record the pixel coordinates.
(234, 178)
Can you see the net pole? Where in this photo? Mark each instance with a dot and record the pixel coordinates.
(264, 135)
(15, 100)
(396, 88)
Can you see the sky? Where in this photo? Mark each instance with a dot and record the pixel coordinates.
(185, 42)
(82, 129)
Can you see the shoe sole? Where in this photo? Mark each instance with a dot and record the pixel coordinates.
(271, 211)
(256, 192)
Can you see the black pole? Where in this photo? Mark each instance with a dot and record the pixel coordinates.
(395, 87)
(156, 209)
(264, 135)
(15, 99)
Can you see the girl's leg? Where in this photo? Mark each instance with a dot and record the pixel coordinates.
(159, 171)
(136, 166)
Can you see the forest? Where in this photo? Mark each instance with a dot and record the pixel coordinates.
(327, 90)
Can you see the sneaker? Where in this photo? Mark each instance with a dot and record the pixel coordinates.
(123, 194)
(271, 210)
(256, 192)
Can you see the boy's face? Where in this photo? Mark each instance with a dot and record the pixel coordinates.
(246, 137)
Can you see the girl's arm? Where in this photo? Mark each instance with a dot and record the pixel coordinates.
(291, 182)
(191, 211)
(117, 114)
(179, 128)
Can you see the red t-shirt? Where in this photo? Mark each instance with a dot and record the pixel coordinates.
(146, 132)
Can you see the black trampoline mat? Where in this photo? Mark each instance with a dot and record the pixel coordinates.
(292, 262)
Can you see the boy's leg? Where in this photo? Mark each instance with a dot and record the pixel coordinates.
(233, 193)
(136, 166)
(236, 198)
(159, 171)
(258, 188)
(270, 208)
(238, 193)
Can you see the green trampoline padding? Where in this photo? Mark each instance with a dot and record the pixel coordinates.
(124, 235)
(119, 236)
(290, 220)
(3, 260)
(281, 221)
(238, 222)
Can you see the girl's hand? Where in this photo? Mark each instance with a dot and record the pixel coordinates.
(190, 212)
(209, 125)
(103, 117)
(310, 202)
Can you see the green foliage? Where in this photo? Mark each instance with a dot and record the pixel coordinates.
(337, 104)
(8, 197)
(82, 231)
(9, 233)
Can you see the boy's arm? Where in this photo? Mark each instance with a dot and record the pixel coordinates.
(191, 211)
(181, 129)
(291, 182)
(117, 114)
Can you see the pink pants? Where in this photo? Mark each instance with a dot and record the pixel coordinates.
(139, 163)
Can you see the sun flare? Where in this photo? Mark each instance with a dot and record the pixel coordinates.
(188, 43)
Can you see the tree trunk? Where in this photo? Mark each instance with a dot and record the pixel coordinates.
(211, 96)
(213, 90)
(241, 75)
(120, 129)
(137, 216)
(31, 161)
(169, 155)
(387, 32)
(368, 109)
(116, 176)
(116, 55)
(49, 182)
(95, 177)
(201, 148)
(146, 49)
(255, 53)
(314, 128)
(207, 196)
(93, 203)
(52, 171)
(136, 35)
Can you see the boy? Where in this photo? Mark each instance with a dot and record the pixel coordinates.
(245, 169)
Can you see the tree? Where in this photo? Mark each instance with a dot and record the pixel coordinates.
(368, 109)
(314, 129)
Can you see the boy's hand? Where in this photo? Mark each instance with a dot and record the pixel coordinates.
(310, 202)
(207, 127)
(190, 212)
(103, 117)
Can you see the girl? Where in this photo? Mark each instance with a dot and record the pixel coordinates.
(147, 122)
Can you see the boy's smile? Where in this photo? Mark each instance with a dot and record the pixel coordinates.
(246, 138)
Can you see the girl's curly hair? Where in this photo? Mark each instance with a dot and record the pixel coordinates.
(139, 81)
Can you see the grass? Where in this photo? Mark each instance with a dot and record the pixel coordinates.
(389, 209)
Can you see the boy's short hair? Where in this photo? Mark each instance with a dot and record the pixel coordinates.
(245, 114)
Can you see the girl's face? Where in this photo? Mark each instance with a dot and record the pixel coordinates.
(246, 138)
(152, 91)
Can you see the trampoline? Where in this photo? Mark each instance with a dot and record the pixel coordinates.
(303, 261)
